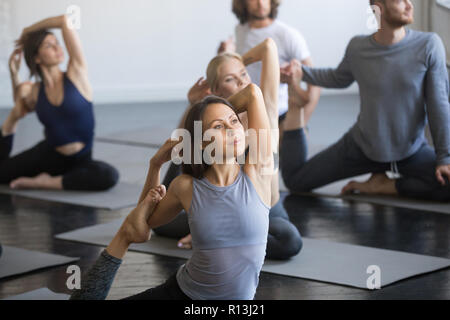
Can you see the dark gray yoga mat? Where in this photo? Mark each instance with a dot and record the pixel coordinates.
(15, 261)
(319, 260)
(123, 195)
(132, 164)
(153, 137)
(40, 294)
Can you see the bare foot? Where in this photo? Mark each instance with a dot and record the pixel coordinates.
(377, 184)
(42, 181)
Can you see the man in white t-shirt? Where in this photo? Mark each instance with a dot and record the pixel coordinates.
(257, 23)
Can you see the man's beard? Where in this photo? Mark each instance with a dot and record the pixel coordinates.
(398, 22)
(255, 17)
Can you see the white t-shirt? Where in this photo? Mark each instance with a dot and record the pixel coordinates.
(291, 45)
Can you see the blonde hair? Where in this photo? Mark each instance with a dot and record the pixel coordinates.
(212, 74)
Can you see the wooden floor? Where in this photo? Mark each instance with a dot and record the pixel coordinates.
(31, 224)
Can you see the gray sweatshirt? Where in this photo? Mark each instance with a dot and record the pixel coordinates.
(401, 86)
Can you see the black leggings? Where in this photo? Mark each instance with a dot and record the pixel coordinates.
(169, 290)
(79, 172)
(284, 239)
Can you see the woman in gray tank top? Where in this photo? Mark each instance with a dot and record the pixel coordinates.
(228, 206)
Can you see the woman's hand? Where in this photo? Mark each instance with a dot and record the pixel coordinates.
(164, 154)
(135, 229)
(199, 91)
(14, 61)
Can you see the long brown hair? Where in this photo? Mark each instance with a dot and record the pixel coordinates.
(196, 114)
(241, 12)
(31, 46)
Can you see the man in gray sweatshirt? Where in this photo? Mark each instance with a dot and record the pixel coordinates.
(403, 83)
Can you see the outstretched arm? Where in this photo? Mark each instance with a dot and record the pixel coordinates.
(341, 77)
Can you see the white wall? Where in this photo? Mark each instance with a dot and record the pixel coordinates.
(150, 50)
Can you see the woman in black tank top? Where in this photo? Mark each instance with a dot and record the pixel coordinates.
(63, 161)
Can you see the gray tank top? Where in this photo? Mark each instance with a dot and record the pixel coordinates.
(229, 227)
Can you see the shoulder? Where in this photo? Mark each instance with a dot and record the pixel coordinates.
(182, 183)
(283, 31)
(287, 30)
(432, 39)
(29, 91)
(359, 40)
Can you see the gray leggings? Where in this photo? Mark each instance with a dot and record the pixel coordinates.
(284, 239)
(345, 160)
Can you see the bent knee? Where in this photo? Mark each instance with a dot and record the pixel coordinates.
(106, 175)
(285, 240)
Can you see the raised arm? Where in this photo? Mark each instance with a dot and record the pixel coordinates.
(267, 53)
(251, 100)
(71, 39)
(14, 67)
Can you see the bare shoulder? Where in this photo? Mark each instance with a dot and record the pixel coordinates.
(182, 183)
(29, 92)
(182, 188)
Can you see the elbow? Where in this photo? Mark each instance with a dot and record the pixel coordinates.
(270, 45)
(254, 91)
(65, 22)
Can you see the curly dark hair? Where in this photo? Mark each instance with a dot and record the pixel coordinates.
(240, 10)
